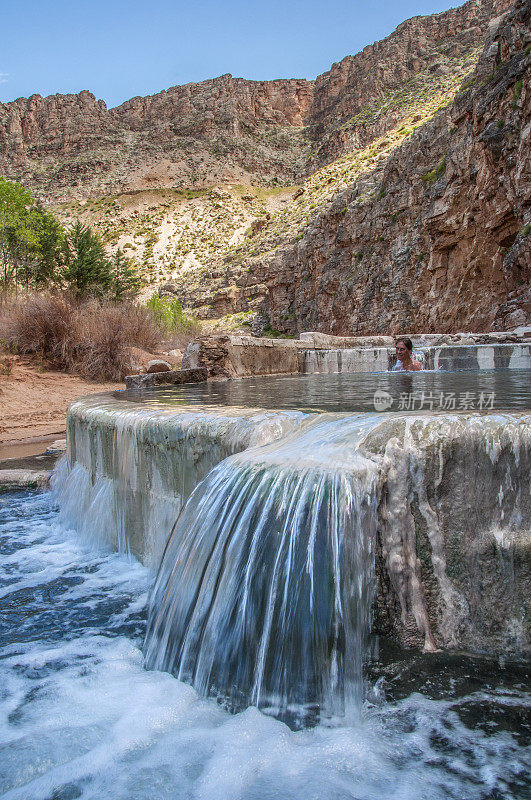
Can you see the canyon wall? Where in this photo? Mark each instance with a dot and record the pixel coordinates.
(201, 134)
(437, 238)
(225, 129)
(412, 160)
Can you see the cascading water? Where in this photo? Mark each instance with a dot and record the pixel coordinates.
(265, 590)
(264, 594)
(426, 515)
(130, 470)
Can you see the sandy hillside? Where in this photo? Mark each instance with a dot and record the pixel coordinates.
(33, 402)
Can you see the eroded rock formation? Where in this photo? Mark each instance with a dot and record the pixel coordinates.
(226, 129)
(437, 237)
(414, 213)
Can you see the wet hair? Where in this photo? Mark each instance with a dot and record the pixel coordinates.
(408, 343)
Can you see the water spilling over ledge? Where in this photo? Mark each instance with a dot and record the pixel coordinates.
(299, 532)
(266, 585)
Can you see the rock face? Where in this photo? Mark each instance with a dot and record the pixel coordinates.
(420, 44)
(437, 238)
(415, 209)
(225, 129)
(220, 130)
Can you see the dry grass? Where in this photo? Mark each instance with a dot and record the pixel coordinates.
(92, 340)
(179, 339)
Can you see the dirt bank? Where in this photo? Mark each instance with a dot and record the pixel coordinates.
(33, 401)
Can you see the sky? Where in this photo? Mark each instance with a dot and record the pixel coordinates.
(120, 49)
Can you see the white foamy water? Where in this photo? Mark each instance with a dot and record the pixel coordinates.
(80, 717)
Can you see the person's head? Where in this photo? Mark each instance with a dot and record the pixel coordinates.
(404, 348)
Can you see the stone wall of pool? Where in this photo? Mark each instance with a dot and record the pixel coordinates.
(452, 501)
(241, 356)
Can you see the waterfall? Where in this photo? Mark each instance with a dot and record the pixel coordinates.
(264, 594)
(298, 534)
(130, 469)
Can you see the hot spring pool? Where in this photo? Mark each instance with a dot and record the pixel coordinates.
(420, 391)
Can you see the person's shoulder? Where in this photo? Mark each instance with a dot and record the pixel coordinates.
(417, 366)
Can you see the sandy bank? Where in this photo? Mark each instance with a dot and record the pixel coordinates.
(33, 401)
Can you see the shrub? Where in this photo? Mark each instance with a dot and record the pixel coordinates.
(169, 315)
(518, 87)
(92, 339)
(104, 335)
(431, 177)
(6, 366)
(39, 324)
(466, 84)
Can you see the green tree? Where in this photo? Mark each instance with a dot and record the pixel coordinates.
(24, 244)
(14, 203)
(125, 281)
(169, 314)
(50, 232)
(87, 270)
(30, 239)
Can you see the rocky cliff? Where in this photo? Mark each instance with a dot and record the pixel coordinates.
(349, 108)
(411, 164)
(228, 129)
(433, 235)
(196, 135)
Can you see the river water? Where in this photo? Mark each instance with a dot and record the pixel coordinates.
(80, 716)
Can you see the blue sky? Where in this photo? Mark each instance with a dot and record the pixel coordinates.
(118, 49)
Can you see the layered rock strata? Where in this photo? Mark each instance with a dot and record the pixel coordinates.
(437, 238)
(226, 129)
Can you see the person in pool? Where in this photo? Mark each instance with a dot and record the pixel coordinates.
(404, 362)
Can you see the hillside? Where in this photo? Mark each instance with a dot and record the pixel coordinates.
(431, 230)
(373, 199)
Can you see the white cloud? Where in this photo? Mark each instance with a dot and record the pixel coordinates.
(4, 77)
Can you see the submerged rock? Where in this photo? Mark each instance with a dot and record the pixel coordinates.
(23, 479)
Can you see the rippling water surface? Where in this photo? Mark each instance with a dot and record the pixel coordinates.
(80, 717)
(412, 391)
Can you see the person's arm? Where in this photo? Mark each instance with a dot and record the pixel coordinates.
(417, 366)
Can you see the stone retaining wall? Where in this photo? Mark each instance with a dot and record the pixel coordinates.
(242, 356)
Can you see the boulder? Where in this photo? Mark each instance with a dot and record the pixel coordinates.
(157, 365)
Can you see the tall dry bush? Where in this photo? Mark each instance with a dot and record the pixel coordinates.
(39, 324)
(104, 335)
(92, 340)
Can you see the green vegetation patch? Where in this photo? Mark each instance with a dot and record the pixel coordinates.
(518, 87)
(434, 174)
(169, 314)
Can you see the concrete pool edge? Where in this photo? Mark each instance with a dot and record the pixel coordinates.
(243, 356)
(146, 462)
